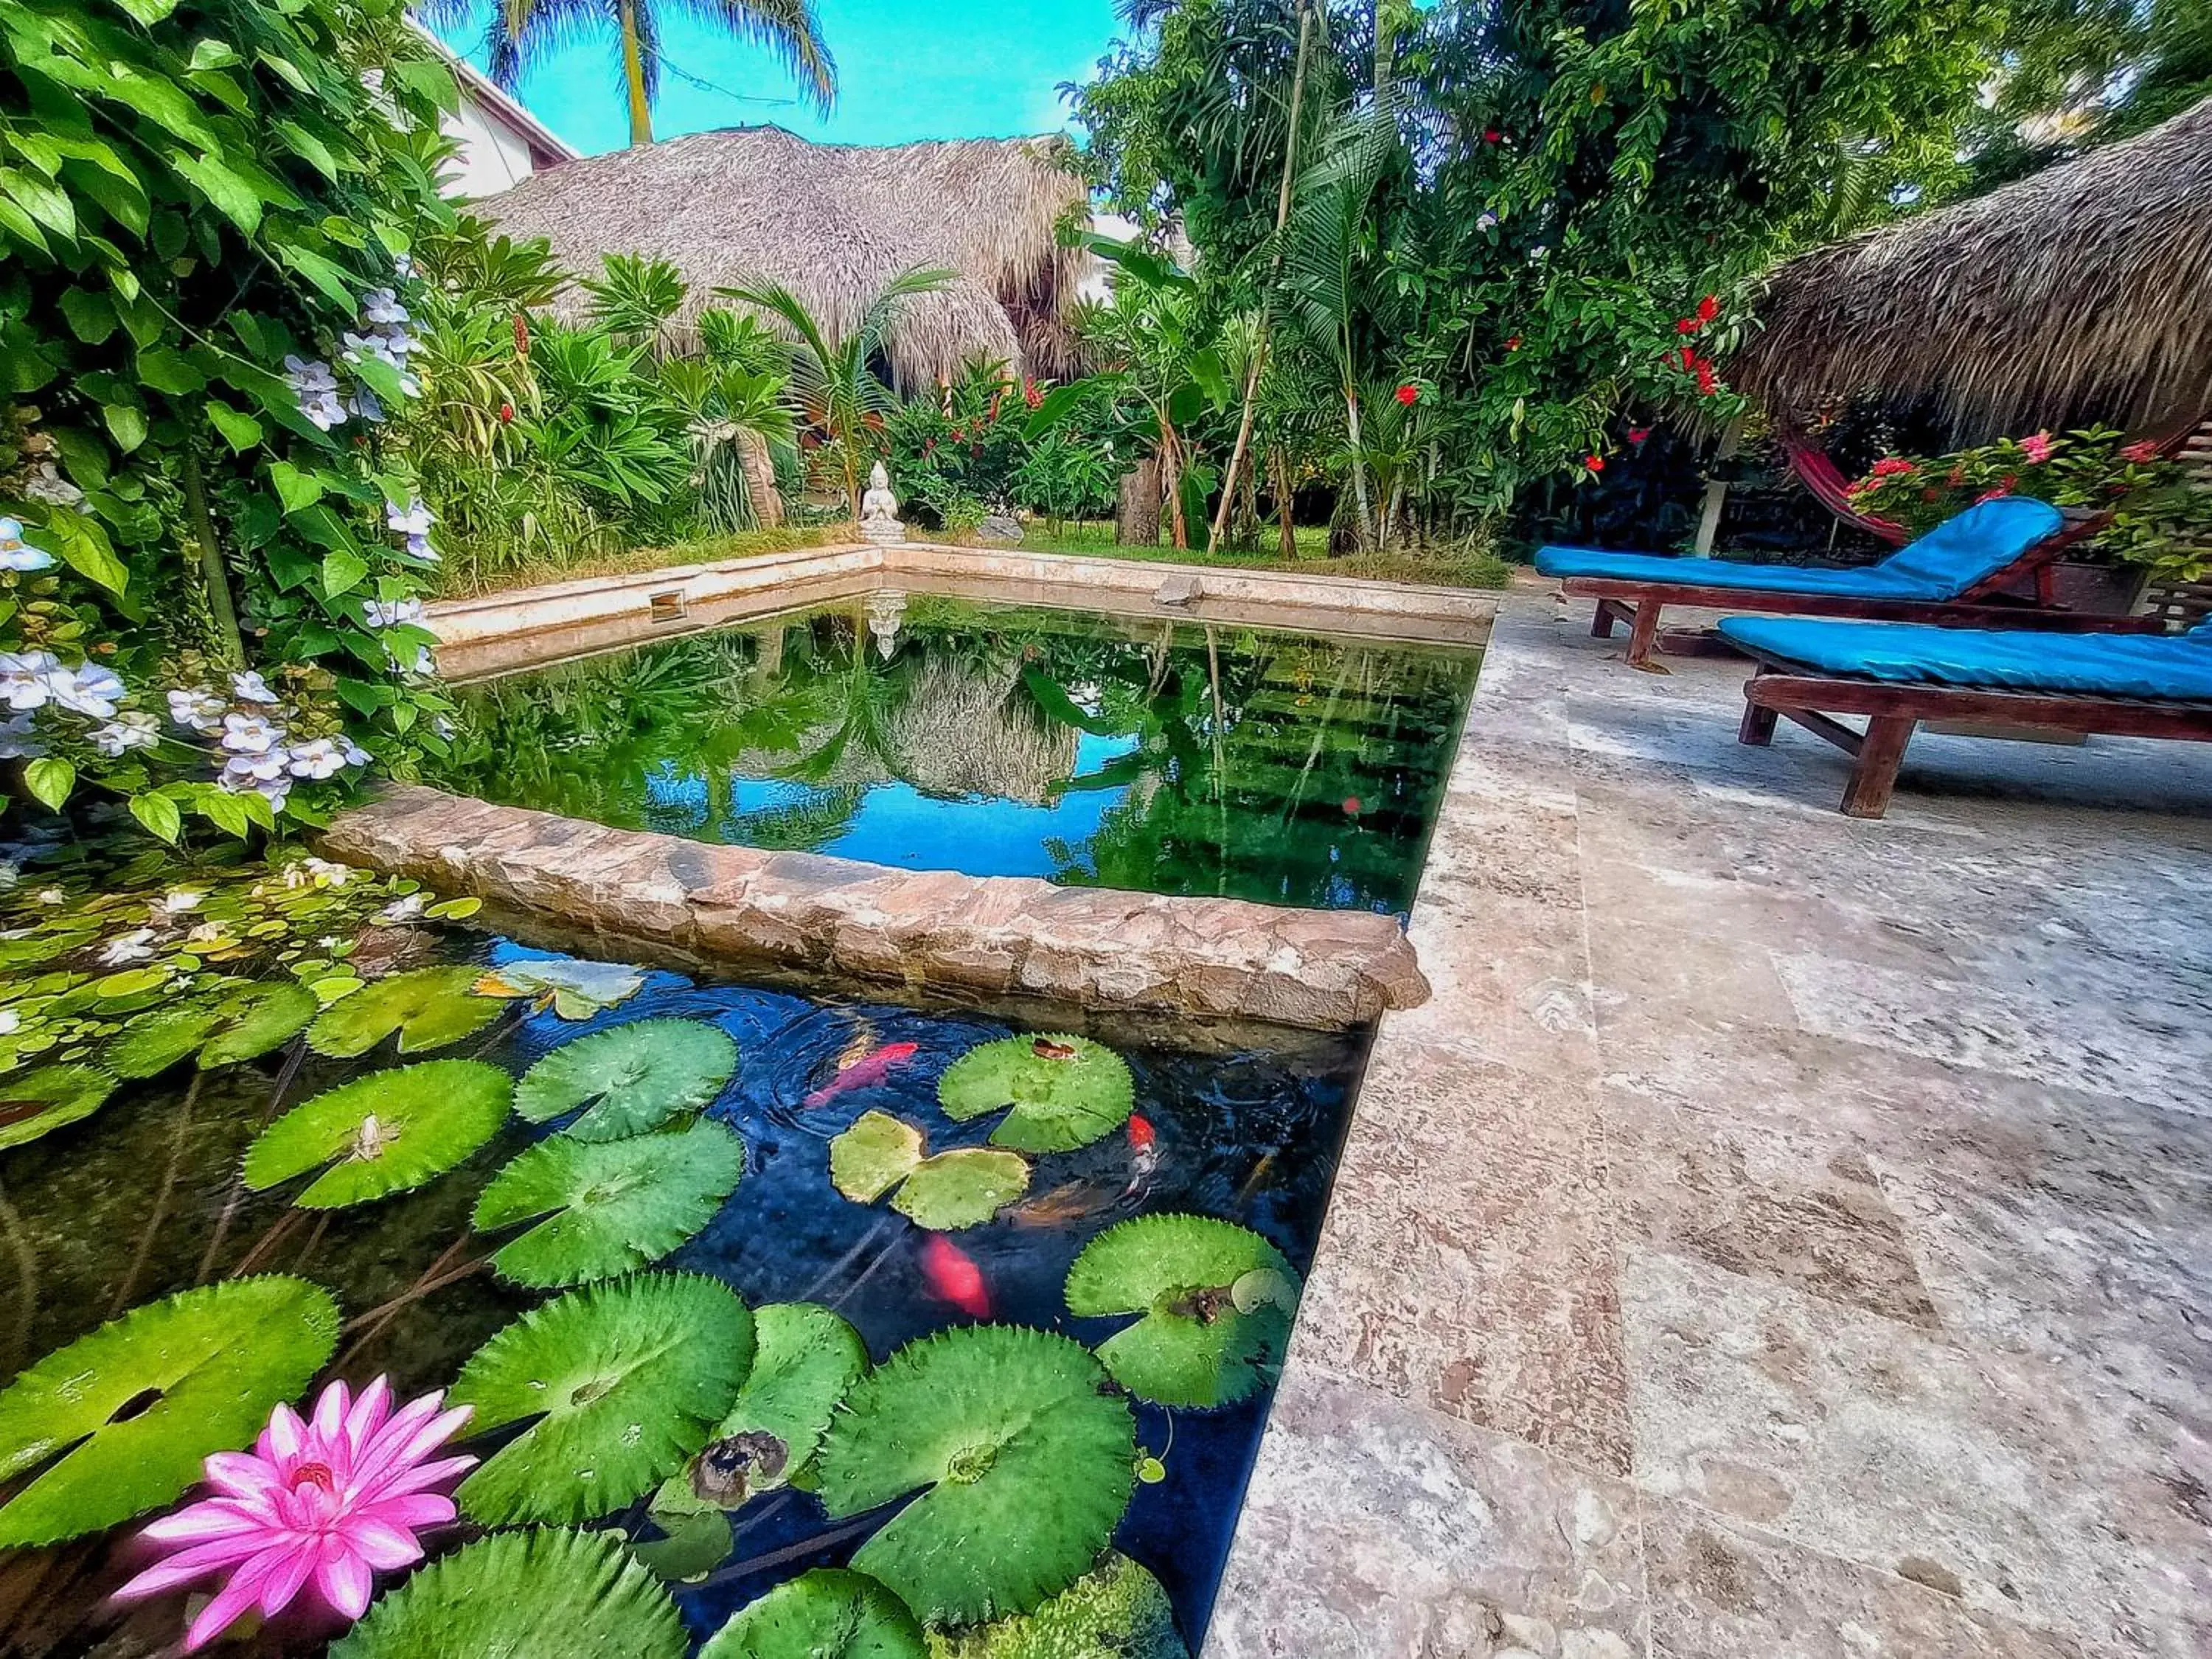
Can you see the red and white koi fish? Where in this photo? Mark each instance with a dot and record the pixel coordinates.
(869, 1069)
(1143, 1151)
(952, 1277)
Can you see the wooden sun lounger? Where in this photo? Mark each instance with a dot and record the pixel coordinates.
(1782, 690)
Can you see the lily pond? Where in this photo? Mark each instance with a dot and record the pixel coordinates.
(932, 734)
(788, 1325)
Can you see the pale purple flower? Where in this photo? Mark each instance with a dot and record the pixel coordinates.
(381, 305)
(363, 406)
(250, 687)
(18, 555)
(251, 734)
(195, 709)
(391, 613)
(354, 754)
(27, 677)
(87, 688)
(251, 771)
(16, 740)
(316, 386)
(130, 730)
(318, 757)
(1488, 221)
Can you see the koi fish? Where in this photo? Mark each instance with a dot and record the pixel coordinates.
(861, 1073)
(1143, 1151)
(952, 1277)
(1071, 1203)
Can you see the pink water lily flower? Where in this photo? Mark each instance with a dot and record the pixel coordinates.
(330, 1501)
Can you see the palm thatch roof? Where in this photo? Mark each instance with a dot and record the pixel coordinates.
(2083, 293)
(834, 222)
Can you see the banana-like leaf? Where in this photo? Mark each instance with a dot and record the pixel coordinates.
(39, 1101)
(429, 1008)
(826, 1614)
(1066, 1092)
(1118, 1612)
(232, 1025)
(633, 1077)
(382, 1133)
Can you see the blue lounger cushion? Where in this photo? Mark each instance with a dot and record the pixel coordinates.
(1941, 565)
(2163, 668)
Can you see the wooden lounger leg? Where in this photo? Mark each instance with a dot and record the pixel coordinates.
(1644, 630)
(1758, 726)
(1874, 777)
(1601, 624)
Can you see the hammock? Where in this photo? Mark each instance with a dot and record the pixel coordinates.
(1820, 475)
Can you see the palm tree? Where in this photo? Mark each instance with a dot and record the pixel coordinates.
(833, 375)
(522, 31)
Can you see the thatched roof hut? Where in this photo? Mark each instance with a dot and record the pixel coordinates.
(834, 222)
(2081, 294)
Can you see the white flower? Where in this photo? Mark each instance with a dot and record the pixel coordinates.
(126, 732)
(10, 1022)
(27, 677)
(1488, 221)
(308, 378)
(354, 754)
(177, 901)
(251, 771)
(250, 687)
(16, 741)
(393, 613)
(16, 553)
(419, 547)
(425, 664)
(406, 909)
(381, 305)
(205, 932)
(195, 709)
(250, 734)
(89, 689)
(51, 896)
(131, 947)
(325, 873)
(318, 757)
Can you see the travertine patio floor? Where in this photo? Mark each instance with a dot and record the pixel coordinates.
(1781, 1236)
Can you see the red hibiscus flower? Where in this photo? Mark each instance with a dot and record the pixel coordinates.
(1492, 136)
(1637, 435)
(1409, 395)
(1686, 326)
(1708, 308)
(1892, 466)
(1595, 463)
(2145, 450)
(506, 414)
(2036, 448)
(1513, 344)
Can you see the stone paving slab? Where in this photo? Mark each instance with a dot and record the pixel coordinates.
(1832, 1201)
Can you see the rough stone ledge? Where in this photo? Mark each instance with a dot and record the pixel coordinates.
(992, 935)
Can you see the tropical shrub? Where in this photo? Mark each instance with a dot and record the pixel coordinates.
(209, 557)
(955, 454)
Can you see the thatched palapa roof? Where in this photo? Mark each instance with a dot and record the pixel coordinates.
(2083, 293)
(834, 222)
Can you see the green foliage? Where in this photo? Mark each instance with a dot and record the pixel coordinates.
(535, 1595)
(572, 988)
(1216, 1300)
(1007, 1435)
(608, 1206)
(204, 209)
(47, 1098)
(1118, 1612)
(964, 1188)
(219, 1030)
(1066, 1092)
(620, 1383)
(428, 1008)
(632, 1078)
(213, 1360)
(382, 1133)
(825, 1614)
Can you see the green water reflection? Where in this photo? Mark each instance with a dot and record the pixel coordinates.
(930, 733)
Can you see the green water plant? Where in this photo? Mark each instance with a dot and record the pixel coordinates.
(426, 1007)
(1117, 1611)
(543, 1593)
(217, 1029)
(46, 1097)
(382, 1133)
(604, 1207)
(571, 986)
(827, 1613)
(198, 1373)
(619, 1384)
(1006, 1435)
(1216, 1301)
(944, 1192)
(629, 1077)
(1064, 1092)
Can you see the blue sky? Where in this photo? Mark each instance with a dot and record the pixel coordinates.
(906, 70)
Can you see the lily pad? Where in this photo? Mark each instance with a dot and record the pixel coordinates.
(826, 1614)
(610, 1206)
(1217, 1301)
(539, 1594)
(1118, 1612)
(692, 1545)
(1024, 1459)
(39, 1101)
(806, 1359)
(199, 1372)
(633, 1077)
(572, 987)
(1066, 1092)
(234, 1025)
(962, 1188)
(428, 1008)
(624, 1380)
(382, 1133)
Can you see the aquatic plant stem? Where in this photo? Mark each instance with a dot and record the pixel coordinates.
(160, 1212)
(293, 1060)
(266, 1246)
(792, 1552)
(26, 1276)
(847, 1259)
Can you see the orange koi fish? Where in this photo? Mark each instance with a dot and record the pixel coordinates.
(952, 1277)
(861, 1073)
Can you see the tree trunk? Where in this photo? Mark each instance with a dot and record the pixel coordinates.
(1137, 514)
(760, 479)
(1279, 469)
(633, 59)
(1171, 486)
(1363, 526)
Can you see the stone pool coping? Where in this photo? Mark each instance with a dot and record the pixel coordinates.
(987, 937)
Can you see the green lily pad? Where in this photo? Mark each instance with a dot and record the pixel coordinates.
(633, 1076)
(804, 1360)
(824, 1615)
(693, 1544)
(610, 1206)
(39, 1101)
(237, 1024)
(1023, 1458)
(538, 1594)
(1118, 1612)
(212, 1362)
(1066, 1092)
(382, 1133)
(624, 1380)
(572, 987)
(964, 1188)
(1217, 1301)
(428, 1008)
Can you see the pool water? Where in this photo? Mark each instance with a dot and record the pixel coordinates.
(140, 1200)
(930, 733)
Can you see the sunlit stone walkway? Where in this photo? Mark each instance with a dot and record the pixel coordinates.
(1781, 1236)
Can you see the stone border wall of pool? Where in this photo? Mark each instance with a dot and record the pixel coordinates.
(986, 936)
